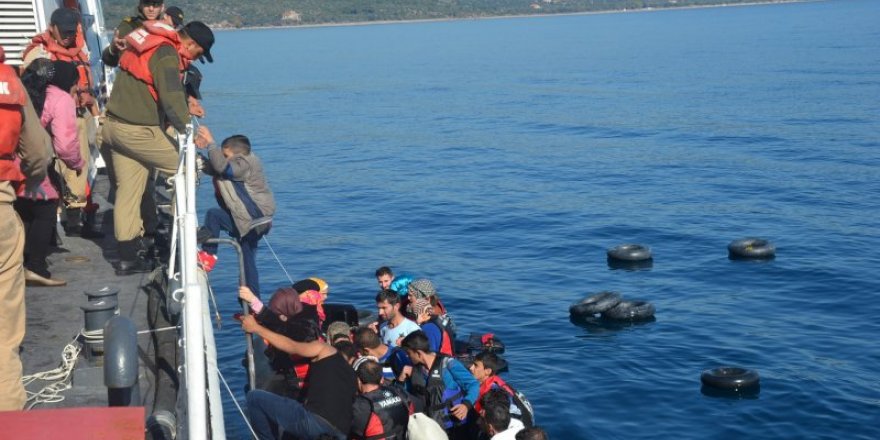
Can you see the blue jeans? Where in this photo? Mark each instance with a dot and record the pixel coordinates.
(217, 220)
(272, 415)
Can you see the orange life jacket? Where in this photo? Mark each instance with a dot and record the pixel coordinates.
(142, 43)
(12, 99)
(75, 54)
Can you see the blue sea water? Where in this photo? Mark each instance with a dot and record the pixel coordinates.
(501, 158)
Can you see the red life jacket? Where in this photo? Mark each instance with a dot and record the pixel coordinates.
(445, 340)
(74, 54)
(142, 43)
(301, 367)
(12, 99)
(517, 400)
(487, 385)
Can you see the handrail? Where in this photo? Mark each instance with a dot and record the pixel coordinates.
(194, 305)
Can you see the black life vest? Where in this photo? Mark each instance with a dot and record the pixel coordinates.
(438, 399)
(391, 406)
(390, 362)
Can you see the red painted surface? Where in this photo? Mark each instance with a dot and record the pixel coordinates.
(117, 423)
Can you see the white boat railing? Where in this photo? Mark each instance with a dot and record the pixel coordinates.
(197, 335)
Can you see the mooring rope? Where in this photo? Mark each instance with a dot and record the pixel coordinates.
(51, 393)
(237, 405)
(278, 260)
(217, 317)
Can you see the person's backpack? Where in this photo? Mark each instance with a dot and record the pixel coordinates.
(422, 427)
(521, 408)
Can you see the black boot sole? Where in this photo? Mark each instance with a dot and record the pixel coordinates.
(136, 268)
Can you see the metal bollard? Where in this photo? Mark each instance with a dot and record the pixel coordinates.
(97, 313)
(107, 293)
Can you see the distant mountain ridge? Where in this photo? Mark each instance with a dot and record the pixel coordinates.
(254, 13)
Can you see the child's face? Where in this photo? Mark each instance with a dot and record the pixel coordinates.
(480, 373)
(384, 281)
(227, 152)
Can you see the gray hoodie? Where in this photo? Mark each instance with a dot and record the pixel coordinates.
(242, 186)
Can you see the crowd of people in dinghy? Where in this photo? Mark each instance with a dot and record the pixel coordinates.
(397, 378)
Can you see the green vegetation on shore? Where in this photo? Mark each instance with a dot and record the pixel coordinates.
(248, 13)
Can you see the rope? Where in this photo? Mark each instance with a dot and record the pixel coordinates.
(217, 317)
(157, 330)
(52, 393)
(237, 405)
(278, 260)
(95, 336)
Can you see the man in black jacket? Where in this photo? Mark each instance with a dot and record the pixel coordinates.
(379, 411)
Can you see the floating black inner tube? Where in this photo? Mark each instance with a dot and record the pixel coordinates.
(751, 249)
(731, 379)
(630, 311)
(594, 304)
(630, 265)
(629, 252)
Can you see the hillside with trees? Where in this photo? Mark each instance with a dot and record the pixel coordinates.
(248, 13)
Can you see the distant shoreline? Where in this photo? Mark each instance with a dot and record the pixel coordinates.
(501, 17)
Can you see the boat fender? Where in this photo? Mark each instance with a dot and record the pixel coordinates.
(594, 304)
(629, 252)
(751, 249)
(731, 378)
(630, 311)
(121, 362)
(162, 425)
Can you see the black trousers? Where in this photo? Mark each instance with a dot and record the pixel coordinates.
(39, 218)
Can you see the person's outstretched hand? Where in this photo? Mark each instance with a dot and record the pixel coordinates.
(204, 137)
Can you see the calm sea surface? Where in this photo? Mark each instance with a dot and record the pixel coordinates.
(501, 158)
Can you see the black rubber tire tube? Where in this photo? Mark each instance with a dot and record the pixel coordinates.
(630, 311)
(751, 249)
(629, 252)
(594, 304)
(730, 378)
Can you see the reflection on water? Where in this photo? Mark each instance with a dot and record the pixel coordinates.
(743, 394)
(615, 264)
(600, 325)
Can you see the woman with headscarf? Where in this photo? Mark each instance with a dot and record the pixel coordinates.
(423, 288)
(50, 85)
(285, 314)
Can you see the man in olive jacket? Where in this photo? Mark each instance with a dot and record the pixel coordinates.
(138, 113)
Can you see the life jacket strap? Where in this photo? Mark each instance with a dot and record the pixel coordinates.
(446, 403)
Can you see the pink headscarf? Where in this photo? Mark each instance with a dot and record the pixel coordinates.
(315, 298)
